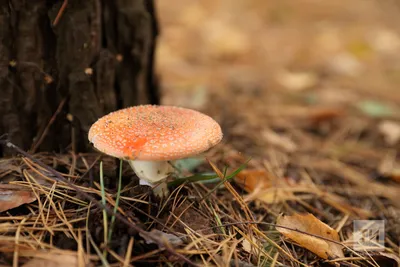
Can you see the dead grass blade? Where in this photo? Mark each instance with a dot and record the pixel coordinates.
(97, 203)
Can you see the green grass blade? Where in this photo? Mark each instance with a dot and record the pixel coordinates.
(205, 177)
(116, 200)
(103, 201)
(192, 179)
(226, 178)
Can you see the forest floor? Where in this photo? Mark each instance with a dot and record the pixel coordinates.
(307, 90)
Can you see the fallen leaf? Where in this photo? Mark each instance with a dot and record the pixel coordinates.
(12, 196)
(390, 131)
(264, 187)
(248, 245)
(249, 180)
(7, 169)
(59, 261)
(9, 165)
(170, 238)
(276, 195)
(308, 223)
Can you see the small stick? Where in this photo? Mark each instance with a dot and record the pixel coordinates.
(110, 211)
(51, 121)
(60, 13)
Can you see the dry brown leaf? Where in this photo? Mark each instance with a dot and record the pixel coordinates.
(8, 169)
(276, 195)
(308, 223)
(259, 183)
(12, 196)
(59, 261)
(248, 244)
(252, 179)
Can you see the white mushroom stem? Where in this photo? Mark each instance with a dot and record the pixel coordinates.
(160, 190)
(151, 173)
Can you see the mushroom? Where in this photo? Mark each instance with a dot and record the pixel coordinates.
(150, 136)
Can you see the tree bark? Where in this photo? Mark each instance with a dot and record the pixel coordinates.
(64, 64)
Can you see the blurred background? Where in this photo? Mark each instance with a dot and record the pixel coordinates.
(341, 48)
(281, 63)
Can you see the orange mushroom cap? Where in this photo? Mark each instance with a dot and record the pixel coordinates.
(154, 133)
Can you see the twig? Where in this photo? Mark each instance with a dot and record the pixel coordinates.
(275, 225)
(128, 253)
(60, 13)
(145, 234)
(46, 129)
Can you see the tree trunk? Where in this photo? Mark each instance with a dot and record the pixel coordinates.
(64, 64)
